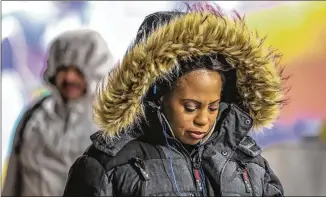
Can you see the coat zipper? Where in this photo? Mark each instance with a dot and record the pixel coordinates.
(195, 169)
(246, 178)
(198, 178)
(139, 164)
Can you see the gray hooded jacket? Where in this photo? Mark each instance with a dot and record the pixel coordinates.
(51, 135)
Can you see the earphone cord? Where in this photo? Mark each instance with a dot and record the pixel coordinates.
(170, 158)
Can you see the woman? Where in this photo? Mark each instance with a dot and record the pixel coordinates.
(175, 115)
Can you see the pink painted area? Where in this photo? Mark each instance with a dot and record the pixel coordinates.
(308, 89)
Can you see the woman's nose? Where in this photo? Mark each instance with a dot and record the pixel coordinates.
(202, 118)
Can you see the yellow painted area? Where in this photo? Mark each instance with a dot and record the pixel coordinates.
(40, 92)
(323, 133)
(4, 172)
(295, 29)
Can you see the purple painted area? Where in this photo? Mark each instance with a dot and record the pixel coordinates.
(6, 55)
(66, 7)
(35, 60)
(281, 133)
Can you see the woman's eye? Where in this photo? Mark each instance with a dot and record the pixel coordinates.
(213, 108)
(190, 108)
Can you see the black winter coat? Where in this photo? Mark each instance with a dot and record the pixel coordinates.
(227, 164)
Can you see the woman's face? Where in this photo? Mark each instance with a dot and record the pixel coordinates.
(192, 107)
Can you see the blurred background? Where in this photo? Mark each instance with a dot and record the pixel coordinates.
(295, 146)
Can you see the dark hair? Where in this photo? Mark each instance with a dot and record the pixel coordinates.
(213, 62)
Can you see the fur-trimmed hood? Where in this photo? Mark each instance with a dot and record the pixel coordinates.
(163, 40)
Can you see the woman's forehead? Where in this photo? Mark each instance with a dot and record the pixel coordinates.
(199, 78)
(200, 84)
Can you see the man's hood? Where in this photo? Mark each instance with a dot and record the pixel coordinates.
(83, 48)
(163, 40)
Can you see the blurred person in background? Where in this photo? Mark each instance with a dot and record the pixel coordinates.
(175, 115)
(56, 130)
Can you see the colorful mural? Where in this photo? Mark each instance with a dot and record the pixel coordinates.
(297, 29)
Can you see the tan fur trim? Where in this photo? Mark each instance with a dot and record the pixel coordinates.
(118, 104)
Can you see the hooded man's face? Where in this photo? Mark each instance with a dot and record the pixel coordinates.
(70, 82)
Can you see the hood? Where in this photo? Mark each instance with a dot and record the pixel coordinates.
(163, 40)
(83, 48)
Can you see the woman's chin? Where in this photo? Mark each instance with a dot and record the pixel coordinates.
(191, 141)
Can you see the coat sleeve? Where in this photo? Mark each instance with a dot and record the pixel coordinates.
(87, 177)
(12, 183)
(272, 184)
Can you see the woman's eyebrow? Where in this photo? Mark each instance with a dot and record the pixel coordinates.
(218, 100)
(198, 102)
(191, 100)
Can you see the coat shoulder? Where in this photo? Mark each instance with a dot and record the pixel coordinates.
(133, 150)
(93, 172)
(85, 177)
(250, 147)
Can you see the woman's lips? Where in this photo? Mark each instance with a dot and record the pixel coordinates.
(196, 134)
